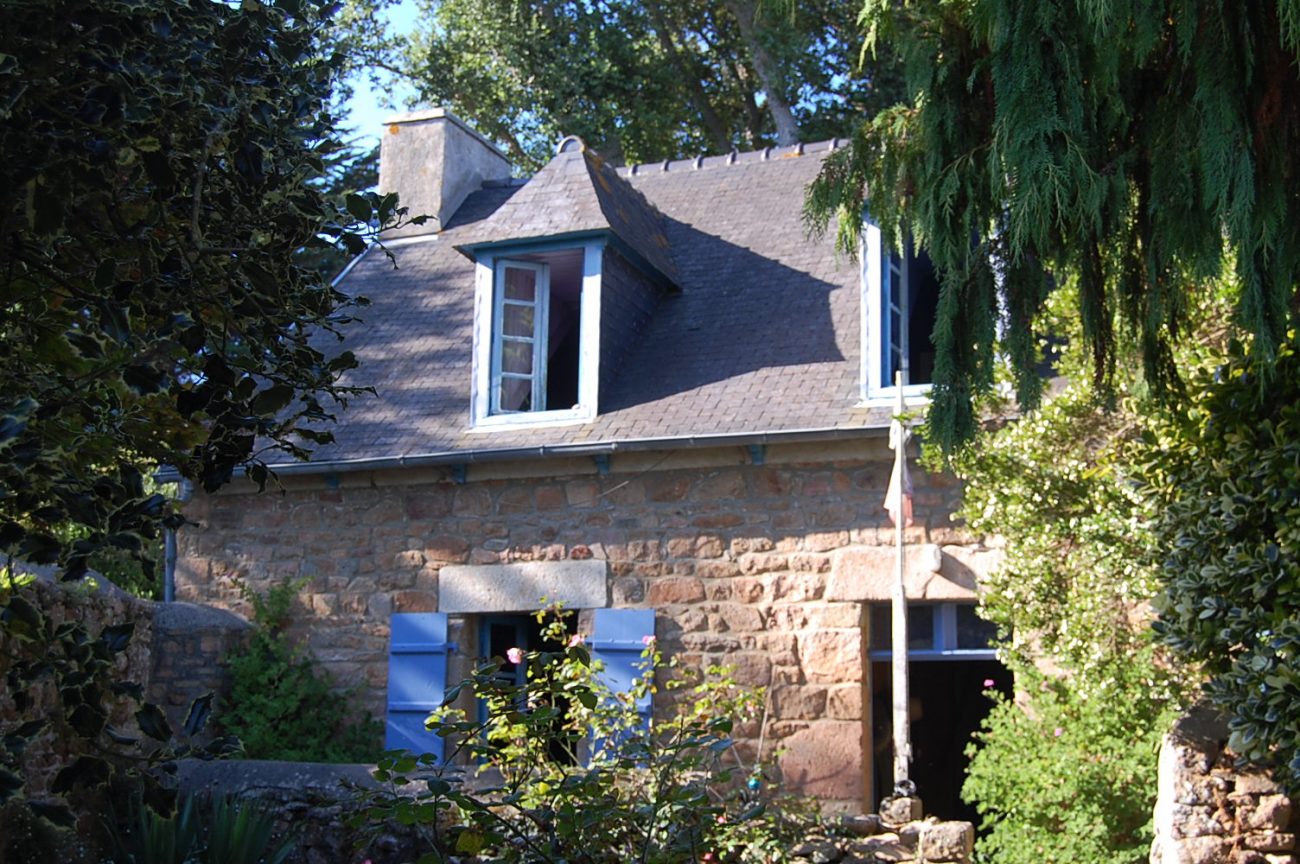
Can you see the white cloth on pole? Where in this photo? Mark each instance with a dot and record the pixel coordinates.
(898, 498)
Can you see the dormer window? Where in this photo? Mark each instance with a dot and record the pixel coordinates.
(536, 332)
(537, 315)
(900, 295)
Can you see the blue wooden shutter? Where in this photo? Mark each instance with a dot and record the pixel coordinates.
(417, 680)
(618, 641)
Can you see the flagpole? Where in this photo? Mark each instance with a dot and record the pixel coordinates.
(902, 730)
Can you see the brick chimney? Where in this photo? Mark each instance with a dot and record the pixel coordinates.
(434, 160)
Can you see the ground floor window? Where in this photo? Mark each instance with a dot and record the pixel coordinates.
(505, 637)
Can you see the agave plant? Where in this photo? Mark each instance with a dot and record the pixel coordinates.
(232, 832)
(241, 832)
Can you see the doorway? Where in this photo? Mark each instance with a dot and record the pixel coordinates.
(952, 663)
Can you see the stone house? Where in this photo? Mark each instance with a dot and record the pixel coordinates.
(645, 392)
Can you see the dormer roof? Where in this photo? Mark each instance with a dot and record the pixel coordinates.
(578, 194)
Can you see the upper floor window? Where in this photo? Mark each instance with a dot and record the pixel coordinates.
(900, 297)
(537, 315)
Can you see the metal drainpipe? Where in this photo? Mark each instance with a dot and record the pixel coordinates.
(184, 491)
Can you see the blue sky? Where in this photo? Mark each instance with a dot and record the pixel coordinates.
(366, 109)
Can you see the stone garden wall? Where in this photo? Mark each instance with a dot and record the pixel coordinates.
(762, 566)
(314, 806)
(190, 644)
(95, 605)
(1207, 811)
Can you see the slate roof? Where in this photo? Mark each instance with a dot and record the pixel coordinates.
(762, 341)
(576, 192)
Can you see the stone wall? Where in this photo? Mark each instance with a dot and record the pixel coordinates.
(1207, 811)
(762, 566)
(315, 806)
(190, 644)
(95, 605)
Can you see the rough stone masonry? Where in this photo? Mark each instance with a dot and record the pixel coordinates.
(763, 567)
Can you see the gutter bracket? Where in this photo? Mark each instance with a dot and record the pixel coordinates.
(459, 473)
(602, 463)
(757, 453)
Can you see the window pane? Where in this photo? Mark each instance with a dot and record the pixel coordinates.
(920, 628)
(517, 357)
(520, 284)
(516, 394)
(973, 632)
(518, 320)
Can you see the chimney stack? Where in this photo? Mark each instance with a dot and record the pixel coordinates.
(433, 160)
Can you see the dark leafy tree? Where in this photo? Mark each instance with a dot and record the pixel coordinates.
(156, 161)
(1226, 474)
(1135, 148)
(639, 80)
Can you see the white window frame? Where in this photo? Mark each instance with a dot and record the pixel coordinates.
(488, 302)
(874, 280)
(541, 305)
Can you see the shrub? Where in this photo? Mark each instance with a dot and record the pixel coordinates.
(670, 791)
(282, 706)
(1069, 775)
(229, 832)
(1227, 471)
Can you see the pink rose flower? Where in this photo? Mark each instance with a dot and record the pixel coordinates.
(575, 640)
(515, 656)
(1057, 732)
(648, 640)
(988, 682)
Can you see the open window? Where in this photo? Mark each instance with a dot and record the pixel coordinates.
(537, 336)
(899, 303)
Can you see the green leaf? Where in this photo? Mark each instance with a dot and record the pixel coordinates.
(88, 719)
(272, 399)
(58, 814)
(105, 274)
(22, 616)
(358, 207)
(153, 722)
(118, 636)
(197, 717)
(10, 784)
(84, 770)
(470, 842)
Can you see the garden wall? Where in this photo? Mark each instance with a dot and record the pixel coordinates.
(314, 805)
(95, 608)
(1209, 812)
(190, 644)
(175, 655)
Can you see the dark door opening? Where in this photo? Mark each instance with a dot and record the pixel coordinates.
(948, 701)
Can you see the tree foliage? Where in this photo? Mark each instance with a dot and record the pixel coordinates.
(1227, 473)
(1135, 147)
(155, 161)
(639, 80)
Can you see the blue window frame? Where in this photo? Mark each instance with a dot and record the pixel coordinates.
(935, 631)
